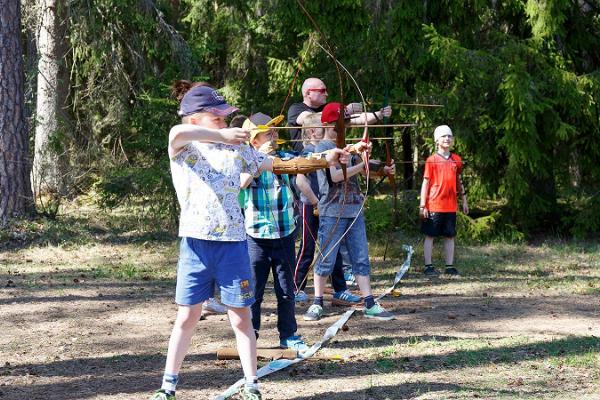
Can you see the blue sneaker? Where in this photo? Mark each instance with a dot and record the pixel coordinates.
(294, 342)
(349, 278)
(301, 297)
(345, 298)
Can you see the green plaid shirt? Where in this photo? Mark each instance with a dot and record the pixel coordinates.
(268, 205)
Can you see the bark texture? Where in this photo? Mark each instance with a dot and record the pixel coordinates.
(51, 97)
(15, 191)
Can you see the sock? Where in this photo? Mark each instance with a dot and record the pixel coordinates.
(318, 301)
(169, 383)
(369, 301)
(251, 382)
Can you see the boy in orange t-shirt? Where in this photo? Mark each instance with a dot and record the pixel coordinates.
(439, 199)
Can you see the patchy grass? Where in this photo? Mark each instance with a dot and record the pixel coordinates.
(87, 305)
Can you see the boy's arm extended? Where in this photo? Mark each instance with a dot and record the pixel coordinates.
(337, 175)
(316, 161)
(301, 165)
(182, 134)
(371, 117)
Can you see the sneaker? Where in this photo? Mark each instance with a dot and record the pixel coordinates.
(294, 342)
(301, 296)
(249, 394)
(349, 278)
(345, 298)
(451, 271)
(431, 272)
(161, 395)
(378, 312)
(314, 313)
(213, 306)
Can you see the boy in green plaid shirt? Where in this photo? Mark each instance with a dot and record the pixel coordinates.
(268, 205)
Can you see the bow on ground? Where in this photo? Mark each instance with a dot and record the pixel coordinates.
(278, 365)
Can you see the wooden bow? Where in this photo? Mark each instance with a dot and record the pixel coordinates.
(340, 140)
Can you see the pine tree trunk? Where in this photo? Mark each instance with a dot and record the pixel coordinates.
(47, 174)
(15, 190)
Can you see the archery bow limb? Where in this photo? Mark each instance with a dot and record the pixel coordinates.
(340, 123)
(340, 139)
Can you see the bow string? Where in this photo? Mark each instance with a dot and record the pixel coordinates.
(340, 123)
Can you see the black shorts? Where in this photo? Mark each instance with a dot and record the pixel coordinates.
(439, 224)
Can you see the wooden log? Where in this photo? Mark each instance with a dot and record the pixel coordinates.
(229, 353)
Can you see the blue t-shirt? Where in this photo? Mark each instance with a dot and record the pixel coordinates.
(342, 199)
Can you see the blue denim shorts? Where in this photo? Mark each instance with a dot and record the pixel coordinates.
(202, 263)
(330, 231)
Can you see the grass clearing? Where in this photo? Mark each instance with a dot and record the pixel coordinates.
(89, 317)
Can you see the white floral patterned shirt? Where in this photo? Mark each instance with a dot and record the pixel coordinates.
(206, 177)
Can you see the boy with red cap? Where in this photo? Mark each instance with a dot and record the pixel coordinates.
(340, 213)
(207, 159)
(308, 186)
(439, 199)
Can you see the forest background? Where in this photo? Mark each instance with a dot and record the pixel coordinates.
(519, 82)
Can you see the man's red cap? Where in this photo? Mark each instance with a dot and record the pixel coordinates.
(331, 113)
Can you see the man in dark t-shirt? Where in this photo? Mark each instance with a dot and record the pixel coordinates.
(314, 97)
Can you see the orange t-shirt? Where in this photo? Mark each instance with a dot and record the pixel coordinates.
(442, 175)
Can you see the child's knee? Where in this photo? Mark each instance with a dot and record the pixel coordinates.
(188, 316)
(240, 318)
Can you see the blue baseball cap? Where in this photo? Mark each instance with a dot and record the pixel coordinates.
(204, 99)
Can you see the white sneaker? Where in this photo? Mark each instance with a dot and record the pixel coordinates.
(213, 306)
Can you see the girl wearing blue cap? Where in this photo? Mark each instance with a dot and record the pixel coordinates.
(207, 159)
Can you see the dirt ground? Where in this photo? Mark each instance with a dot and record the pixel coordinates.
(71, 332)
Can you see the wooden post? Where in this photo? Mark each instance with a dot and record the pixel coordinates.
(229, 353)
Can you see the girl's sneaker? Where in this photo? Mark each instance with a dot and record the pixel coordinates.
(161, 395)
(314, 313)
(249, 394)
(378, 312)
